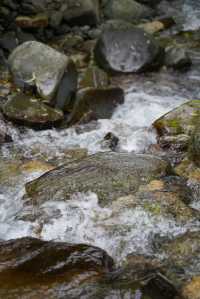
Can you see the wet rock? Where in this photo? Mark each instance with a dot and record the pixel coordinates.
(110, 175)
(181, 120)
(95, 103)
(127, 10)
(38, 21)
(38, 65)
(191, 290)
(110, 141)
(127, 51)
(31, 111)
(29, 261)
(82, 12)
(177, 58)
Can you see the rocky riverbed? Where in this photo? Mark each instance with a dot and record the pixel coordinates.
(100, 149)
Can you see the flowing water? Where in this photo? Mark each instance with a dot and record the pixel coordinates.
(116, 229)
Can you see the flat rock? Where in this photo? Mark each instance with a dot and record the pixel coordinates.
(110, 175)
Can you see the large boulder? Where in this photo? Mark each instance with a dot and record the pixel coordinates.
(82, 12)
(31, 111)
(110, 175)
(36, 64)
(127, 51)
(127, 10)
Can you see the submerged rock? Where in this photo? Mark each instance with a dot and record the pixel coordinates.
(36, 64)
(31, 111)
(110, 175)
(127, 51)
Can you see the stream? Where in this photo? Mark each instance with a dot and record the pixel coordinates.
(82, 220)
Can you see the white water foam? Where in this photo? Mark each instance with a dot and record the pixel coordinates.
(119, 229)
(131, 122)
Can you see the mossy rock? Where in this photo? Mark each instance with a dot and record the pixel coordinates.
(31, 111)
(181, 120)
(94, 77)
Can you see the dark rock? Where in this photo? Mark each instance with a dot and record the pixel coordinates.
(127, 51)
(110, 141)
(82, 12)
(31, 111)
(67, 87)
(8, 41)
(110, 175)
(100, 102)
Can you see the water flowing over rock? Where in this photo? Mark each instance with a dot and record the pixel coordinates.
(36, 64)
(110, 175)
(127, 51)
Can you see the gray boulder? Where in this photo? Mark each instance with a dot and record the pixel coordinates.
(127, 51)
(36, 64)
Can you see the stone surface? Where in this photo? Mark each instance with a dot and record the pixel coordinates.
(82, 12)
(110, 175)
(36, 64)
(31, 111)
(95, 103)
(127, 51)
